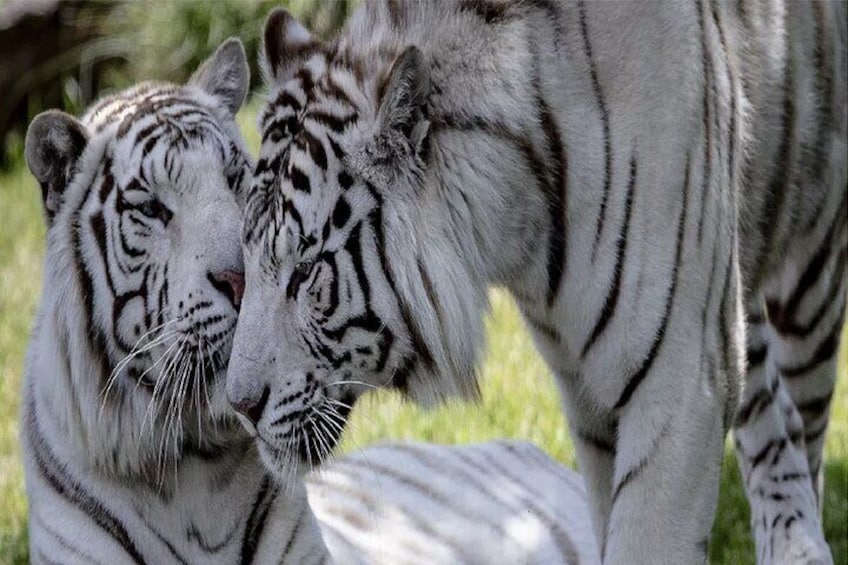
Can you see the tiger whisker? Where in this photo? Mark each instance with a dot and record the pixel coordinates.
(336, 420)
(325, 434)
(153, 404)
(198, 367)
(205, 384)
(181, 389)
(113, 376)
(353, 382)
(170, 431)
(136, 349)
(157, 403)
(140, 380)
(322, 441)
(290, 457)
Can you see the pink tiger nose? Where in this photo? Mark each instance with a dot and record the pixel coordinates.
(230, 284)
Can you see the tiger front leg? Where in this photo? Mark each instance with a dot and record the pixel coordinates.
(672, 404)
(665, 484)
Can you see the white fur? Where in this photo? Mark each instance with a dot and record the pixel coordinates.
(670, 122)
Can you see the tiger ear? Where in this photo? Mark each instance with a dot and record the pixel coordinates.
(403, 99)
(54, 143)
(225, 75)
(286, 44)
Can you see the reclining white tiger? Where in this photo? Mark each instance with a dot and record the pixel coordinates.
(132, 454)
(644, 177)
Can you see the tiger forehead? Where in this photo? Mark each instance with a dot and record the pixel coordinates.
(322, 99)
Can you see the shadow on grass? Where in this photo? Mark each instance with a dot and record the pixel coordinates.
(732, 541)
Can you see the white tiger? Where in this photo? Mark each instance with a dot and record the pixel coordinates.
(644, 177)
(132, 454)
(130, 450)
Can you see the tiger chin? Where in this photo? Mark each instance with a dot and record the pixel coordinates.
(130, 447)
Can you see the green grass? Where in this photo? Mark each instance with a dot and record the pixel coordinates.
(518, 396)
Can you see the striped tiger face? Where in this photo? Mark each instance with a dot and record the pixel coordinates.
(151, 206)
(322, 321)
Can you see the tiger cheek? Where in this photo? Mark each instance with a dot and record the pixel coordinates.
(129, 320)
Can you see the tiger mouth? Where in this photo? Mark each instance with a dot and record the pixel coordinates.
(312, 435)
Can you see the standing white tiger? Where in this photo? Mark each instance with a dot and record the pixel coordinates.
(642, 176)
(132, 453)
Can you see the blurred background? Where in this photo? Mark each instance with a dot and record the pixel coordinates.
(65, 54)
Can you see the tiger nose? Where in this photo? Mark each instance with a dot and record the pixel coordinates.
(230, 284)
(252, 407)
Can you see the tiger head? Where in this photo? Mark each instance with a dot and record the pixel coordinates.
(144, 269)
(338, 295)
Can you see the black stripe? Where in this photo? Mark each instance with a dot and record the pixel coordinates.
(621, 249)
(286, 100)
(315, 148)
(812, 408)
(824, 70)
(756, 404)
(824, 352)
(171, 549)
(835, 293)
(336, 123)
(727, 301)
(640, 465)
(108, 183)
(781, 180)
(708, 87)
(419, 344)
(756, 356)
(67, 546)
(602, 108)
(811, 436)
(639, 376)
(293, 536)
(341, 212)
(56, 474)
(299, 180)
(543, 328)
(556, 194)
(430, 291)
(255, 525)
(599, 443)
(777, 444)
(489, 12)
(334, 90)
(781, 318)
(96, 337)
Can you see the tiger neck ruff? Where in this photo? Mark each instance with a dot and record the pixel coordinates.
(129, 445)
(602, 161)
